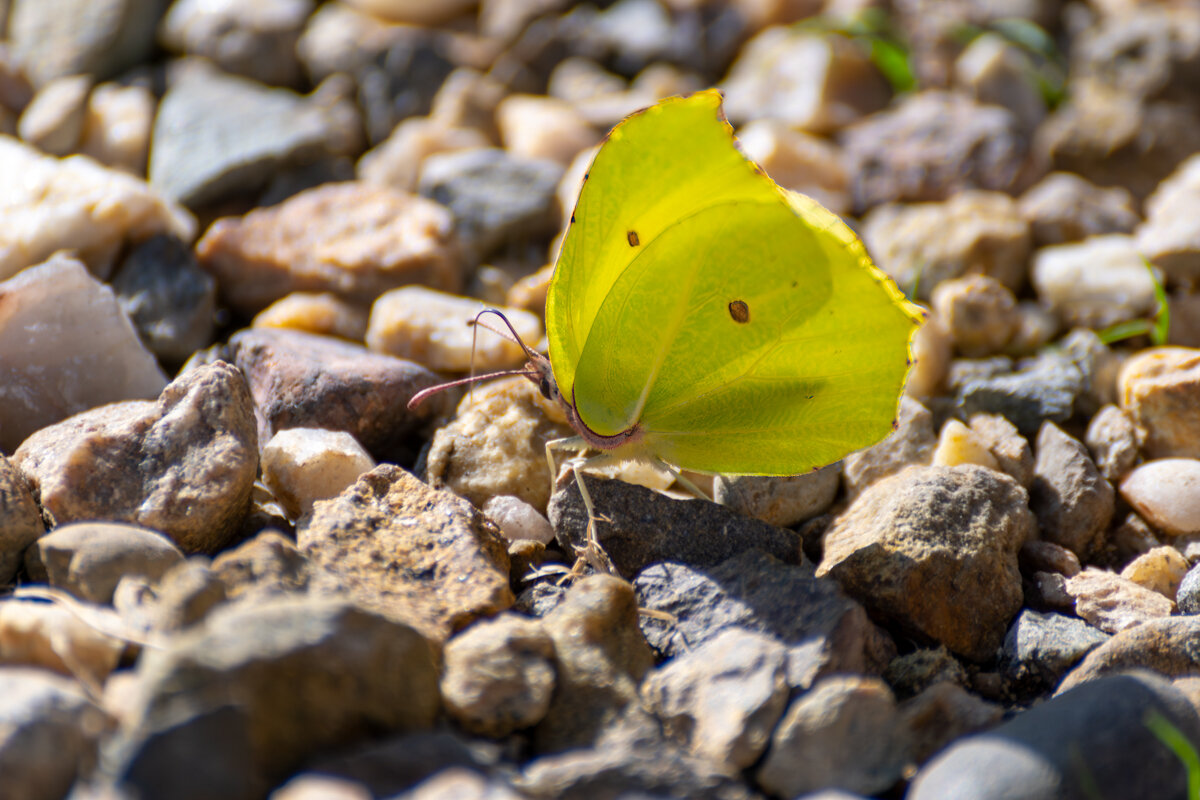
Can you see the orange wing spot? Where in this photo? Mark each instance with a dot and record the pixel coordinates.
(739, 311)
(632, 237)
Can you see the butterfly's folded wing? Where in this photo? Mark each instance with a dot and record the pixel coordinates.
(659, 165)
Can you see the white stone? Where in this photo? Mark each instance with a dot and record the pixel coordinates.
(65, 346)
(1094, 283)
(518, 520)
(303, 465)
(1167, 493)
(51, 204)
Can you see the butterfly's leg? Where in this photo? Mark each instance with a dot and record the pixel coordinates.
(591, 553)
(696, 491)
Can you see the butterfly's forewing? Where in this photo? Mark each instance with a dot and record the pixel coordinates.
(657, 166)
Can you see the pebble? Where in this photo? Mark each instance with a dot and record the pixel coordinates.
(1187, 597)
(1098, 134)
(86, 353)
(499, 675)
(924, 244)
(798, 161)
(57, 639)
(322, 313)
(601, 658)
(640, 526)
(1166, 645)
(930, 146)
(304, 465)
(1071, 499)
(784, 502)
(1094, 283)
(116, 130)
(941, 714)
(1161, 570)
(958, 444)
(825, 631)
(1040, 555)
(912, 442)
(75, 203)
(1113, 603)
(910, 545)
(396, 161)
(88, 559)
(496, 444)
(518, 520)
(1098, 727)
(539, 127)
(495, 197)
(979, 313)
(168, 298)
(1169, 238)
(1111, 438)
(1159, 388)
(1040, 648)
(1063, 207)
(436, 330)
(255, 40)
(53, 121)
(1042, 389)
(912, 673)
(20, 520)
(218, 135)
(284, 680)
(723, 699)
(197, 438)
(1006, 445)
(301, 380)
(50, 732)
(931, 349)
(999, 72)
(354, 239)
(812, 81)
(844, 732)
(417, 555)
(1166, 492)
(76, 37)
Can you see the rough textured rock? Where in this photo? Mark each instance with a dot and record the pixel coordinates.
(417, 555)
(1113, 603)
(499, 675)
(1040, 648)
(934, 550)
(640, 527)
(1167, 646)
(286, 678)
(783, 501)
(182, 465)
(20, 521)
(825, 631)
(1160, 390)
(1071, 499)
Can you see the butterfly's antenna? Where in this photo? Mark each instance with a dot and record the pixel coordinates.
(420, 396)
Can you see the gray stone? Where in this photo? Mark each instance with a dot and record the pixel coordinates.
(84, 354)
(48, 732)
(638, 527)
(601, 658)
(844, 733)
(183, 465)
(217, 135)
(301, 676)
(1043, 389)
(54, 38)
(934, 551)
(1071, 499)
(825, 631)
(88, 559)
(1064, 207)
(169, 299)
(721, 701)
(495, 197)
(1040, 648)
(1188, 596)
(1093, 736)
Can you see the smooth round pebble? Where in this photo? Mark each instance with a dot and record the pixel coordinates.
(518, 519)
(1167, 493)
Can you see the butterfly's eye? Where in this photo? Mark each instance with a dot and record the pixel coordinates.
(548, 387)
